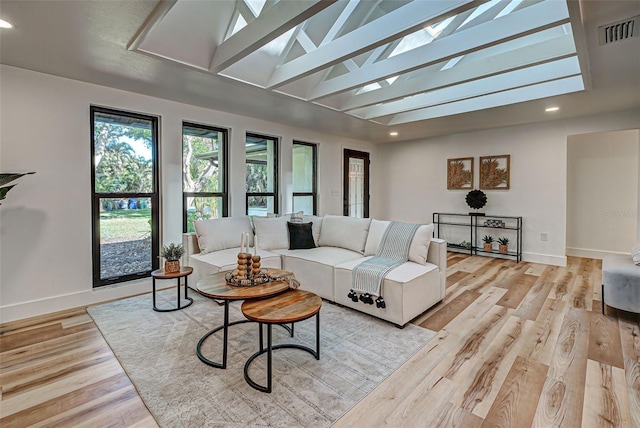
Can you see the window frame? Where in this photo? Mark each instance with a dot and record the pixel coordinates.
(225, 174)
(276, 173)
(97, 197)
(314, 191)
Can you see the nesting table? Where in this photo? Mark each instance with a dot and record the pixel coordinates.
(216, 287)
(288, 307)
(267, 304)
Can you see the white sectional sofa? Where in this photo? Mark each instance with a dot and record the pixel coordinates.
(340, 243)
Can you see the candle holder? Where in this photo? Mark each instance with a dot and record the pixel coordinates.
(255, 265)
(244, 266)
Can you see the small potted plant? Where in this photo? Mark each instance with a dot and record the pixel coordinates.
(488, 243)
(172, 254)
(503, 245)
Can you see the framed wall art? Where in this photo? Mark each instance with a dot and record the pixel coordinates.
(494, 172)
(460, 173)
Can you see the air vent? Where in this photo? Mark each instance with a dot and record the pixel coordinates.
(618, 31)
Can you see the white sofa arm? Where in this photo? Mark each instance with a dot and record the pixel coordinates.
(190, 243)
(438, 256)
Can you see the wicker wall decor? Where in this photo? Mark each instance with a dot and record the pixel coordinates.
(460, 173)
(494, 172)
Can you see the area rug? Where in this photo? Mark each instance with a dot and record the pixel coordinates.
(157, 350)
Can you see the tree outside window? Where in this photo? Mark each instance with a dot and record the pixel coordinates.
(204, 173)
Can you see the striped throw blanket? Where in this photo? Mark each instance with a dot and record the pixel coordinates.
(394, 250)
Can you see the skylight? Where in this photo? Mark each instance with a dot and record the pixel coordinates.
(392, 61)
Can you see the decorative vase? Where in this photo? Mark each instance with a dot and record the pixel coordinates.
(488, 247)
(172, 266)
(504, 249)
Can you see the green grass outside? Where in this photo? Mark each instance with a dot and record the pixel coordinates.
(131, 224)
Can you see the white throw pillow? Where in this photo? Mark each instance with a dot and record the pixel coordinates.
(635, 254)
(376, 231)
(344, 232)
(419, 248)
(316, 228)
(271, 233)
(221, 233)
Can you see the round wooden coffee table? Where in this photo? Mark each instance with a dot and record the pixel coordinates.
(184, 272)
(288, 307)
(215, 286)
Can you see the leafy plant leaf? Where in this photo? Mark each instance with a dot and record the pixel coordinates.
(4, 191)
(9, 177)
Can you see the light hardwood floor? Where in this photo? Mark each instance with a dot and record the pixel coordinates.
(518, 345)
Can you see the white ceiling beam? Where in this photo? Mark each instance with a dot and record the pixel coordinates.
(152, 21)
(339, 23)
(542, 52)
(535, 18)
(498, 83)
(514, 96)
(402, 21)
(271, 23)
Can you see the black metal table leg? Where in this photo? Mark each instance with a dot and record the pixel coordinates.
(178, 305)
(269, 350)
(225, 337)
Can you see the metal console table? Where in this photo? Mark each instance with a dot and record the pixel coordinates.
(485, 223)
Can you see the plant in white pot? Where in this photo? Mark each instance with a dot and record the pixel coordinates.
(172, 254)
(503, 245)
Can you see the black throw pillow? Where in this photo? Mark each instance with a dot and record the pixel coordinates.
(300, 236)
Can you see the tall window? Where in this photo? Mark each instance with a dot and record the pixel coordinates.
(305, 177)
(261, 174)
(124, 190)
(204, 173)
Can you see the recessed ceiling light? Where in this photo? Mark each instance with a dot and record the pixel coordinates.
(551, 109)
(393, 133)
(5, 24)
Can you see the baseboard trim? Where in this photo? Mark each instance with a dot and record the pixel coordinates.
(546, 259)
(591, 254)
(63, 302)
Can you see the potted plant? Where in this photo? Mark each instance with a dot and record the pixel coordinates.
(503, 245)
(172, 254)
(488, 243)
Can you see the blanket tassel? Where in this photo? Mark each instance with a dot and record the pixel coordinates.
(352, 295)
(366, 298)
(380, 303)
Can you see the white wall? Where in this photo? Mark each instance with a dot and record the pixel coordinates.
(602, 193)
(415, 172)
(45, 230)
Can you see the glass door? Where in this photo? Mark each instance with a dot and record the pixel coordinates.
(356, 184)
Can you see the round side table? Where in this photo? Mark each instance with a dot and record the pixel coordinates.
(288, 307)
(184, 272)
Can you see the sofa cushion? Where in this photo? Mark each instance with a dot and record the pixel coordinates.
(344, 232)
(404, 273)
(300, 236)
(222, 233)
(419, 248)
(228, 259)
(329, 256)
(314, 267)
(317, 226)
(271, 233)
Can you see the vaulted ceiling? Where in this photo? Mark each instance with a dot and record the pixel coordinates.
(360, 68)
